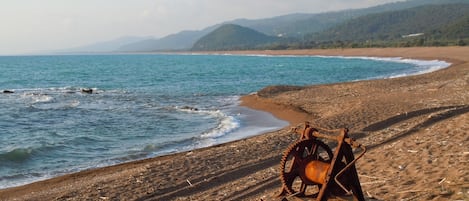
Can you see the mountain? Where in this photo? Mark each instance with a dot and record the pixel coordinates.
(106, 46)
(430, 20)
(183, 40)
(428, 25)
(293, 25)
(233, 37)
(297, 25)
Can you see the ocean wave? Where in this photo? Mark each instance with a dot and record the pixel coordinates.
(226, 125)
(20, 179)
(55, 90)
(17, 155)
(23, 154)
(61, 97)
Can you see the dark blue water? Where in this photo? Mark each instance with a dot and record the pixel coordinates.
(146, 105)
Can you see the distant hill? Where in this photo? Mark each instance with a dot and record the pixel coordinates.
(183, 40)
(430, 20)
(297, 25)
(293, 25)
(106, 46)
(233, 37)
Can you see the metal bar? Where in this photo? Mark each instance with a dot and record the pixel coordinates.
(337, 155)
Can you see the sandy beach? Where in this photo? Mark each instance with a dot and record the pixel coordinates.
(416, 129)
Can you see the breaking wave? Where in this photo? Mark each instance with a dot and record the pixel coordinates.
(17, 155)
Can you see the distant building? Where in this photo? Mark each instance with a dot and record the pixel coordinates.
(413, 35)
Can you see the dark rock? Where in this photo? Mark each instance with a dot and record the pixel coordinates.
(190, 108)
(87, 90)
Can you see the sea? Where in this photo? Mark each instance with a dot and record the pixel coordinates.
(66, 113)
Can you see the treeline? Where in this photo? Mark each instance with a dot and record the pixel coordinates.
(410, 42)
(414, 42)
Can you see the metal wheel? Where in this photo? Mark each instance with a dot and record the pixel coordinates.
(293, 164)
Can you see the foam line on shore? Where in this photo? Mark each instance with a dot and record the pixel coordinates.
(424, 66)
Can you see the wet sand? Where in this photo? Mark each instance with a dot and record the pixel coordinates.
(416, 129)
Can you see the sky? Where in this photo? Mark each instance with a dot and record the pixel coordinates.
(29, 26)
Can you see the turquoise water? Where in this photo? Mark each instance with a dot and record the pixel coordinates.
(147, 105)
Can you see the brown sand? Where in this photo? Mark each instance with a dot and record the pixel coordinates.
(416, 129)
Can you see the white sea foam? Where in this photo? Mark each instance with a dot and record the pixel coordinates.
(21, 179)
(56, 90)
(37, 97)
(58, 97)
(423, 66)
(226, 125)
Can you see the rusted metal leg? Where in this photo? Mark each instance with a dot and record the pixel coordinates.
(323, 192)
(353, 175)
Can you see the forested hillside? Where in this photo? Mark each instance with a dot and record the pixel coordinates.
(297, 25)
(394, 25)
(233, 37)
(430, 25)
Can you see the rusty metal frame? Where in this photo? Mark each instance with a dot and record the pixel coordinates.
(336, 173)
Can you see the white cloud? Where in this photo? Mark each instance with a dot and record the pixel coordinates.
(145, 13)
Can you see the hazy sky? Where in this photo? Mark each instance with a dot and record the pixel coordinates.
(37, 25)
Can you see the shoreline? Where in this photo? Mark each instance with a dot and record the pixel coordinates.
(251, 126)
(359, 105)
(254, 121)
(295, 116)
